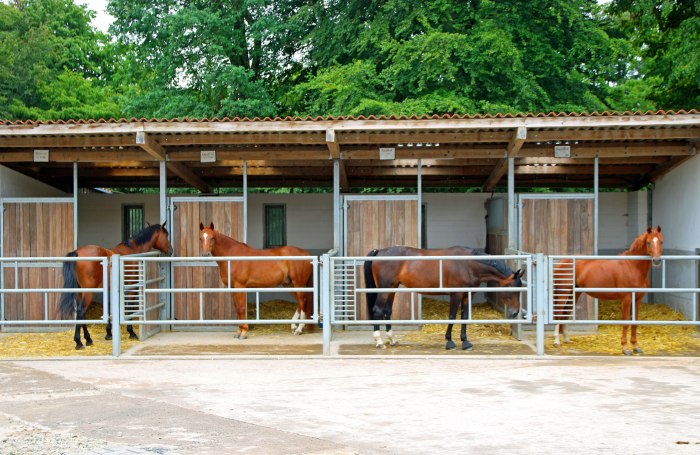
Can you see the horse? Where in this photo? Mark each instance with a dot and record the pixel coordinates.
(244, 274)
(424, 274)
(611, 273)
(88, 274)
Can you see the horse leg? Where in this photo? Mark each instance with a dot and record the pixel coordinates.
(633, 337)
(388, 308)
(466, 345)
(626, 315)
(557, 343)
(299, 314)
(239, 302)
(454, 304)
(82, 310)
(378, 314)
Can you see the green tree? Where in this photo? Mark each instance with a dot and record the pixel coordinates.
(666, 34)
(197, 59)
(53, 64)
(441, 56)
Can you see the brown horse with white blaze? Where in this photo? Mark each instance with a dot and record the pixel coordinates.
(296, 273)
(88, 274)
(612, 273)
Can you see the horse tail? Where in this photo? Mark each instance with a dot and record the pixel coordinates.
(370, 284)
(68, 301)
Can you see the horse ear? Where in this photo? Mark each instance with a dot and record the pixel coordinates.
(648, 229)
(201, 226)
(148, 224)
(658, 228)
(211, 225)
(164, 223)
(518, 274)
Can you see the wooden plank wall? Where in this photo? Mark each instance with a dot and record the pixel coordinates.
(35, 229)
(560, 226)
(379, 224)
(227, 218)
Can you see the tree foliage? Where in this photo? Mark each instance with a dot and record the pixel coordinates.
(53, 64)
(257, 58)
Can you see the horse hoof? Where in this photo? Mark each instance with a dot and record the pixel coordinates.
(557, 344)
(380, 346)
(393, 343)
(132, 336)
(450, 345)
(467, 346)
(626, 352)
(79, 347)
(88, 342)
(638, 351)
(242, 337)
(108, 337)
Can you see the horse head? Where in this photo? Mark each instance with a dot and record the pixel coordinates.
(511, 300)
(207, 238)
(654, 244)
(161, 241)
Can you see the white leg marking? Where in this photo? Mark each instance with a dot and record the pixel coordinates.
(294, 318)
(301, 326)
(556, 336)
(392, 340)
(378, 339)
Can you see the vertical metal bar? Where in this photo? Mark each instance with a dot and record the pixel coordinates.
(75, 204)
(46, 306)
(116, 304)
(336, 208)
(2, 264)
(663, 273)
(326, 288)
(257, 305)
(440, 273)
(245, 201)
(540, 307)
(595, 205)
(316, 285)
(420, 228)
(201, 306)
(229, 273)
(634, 315)
(511, 205)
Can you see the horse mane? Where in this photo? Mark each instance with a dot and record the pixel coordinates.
(498, 264)
(637, 245)
(143, 236)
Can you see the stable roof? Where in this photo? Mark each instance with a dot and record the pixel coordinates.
(634, 149)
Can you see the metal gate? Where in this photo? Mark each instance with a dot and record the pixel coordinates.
(228, 216)
(376, 221)
(28, 229)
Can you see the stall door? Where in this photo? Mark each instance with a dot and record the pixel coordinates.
(35, 229)
(559, 226)
(381, 222)
(227, 216)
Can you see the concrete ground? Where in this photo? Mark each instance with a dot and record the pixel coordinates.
(216, 404)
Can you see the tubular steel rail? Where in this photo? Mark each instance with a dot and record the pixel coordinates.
(336, 291)
(13, 285)
(558, 301)
(349, 293)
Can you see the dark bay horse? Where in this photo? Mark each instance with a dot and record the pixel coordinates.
(246, 274)
(88, 274)
(425, 274)
(611, 273)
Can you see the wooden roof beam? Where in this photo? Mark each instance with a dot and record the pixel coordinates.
(153, 148)
(334, 150)
(514, 146)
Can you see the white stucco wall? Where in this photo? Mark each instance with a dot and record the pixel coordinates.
(14, 184)
(613, 224)
(100, 216)
(676, 208)
(309, 219)
(455, 219)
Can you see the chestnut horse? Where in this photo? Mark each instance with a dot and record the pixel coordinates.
(425, 274)
(612, 273)
(246, 274)
(88, 274)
